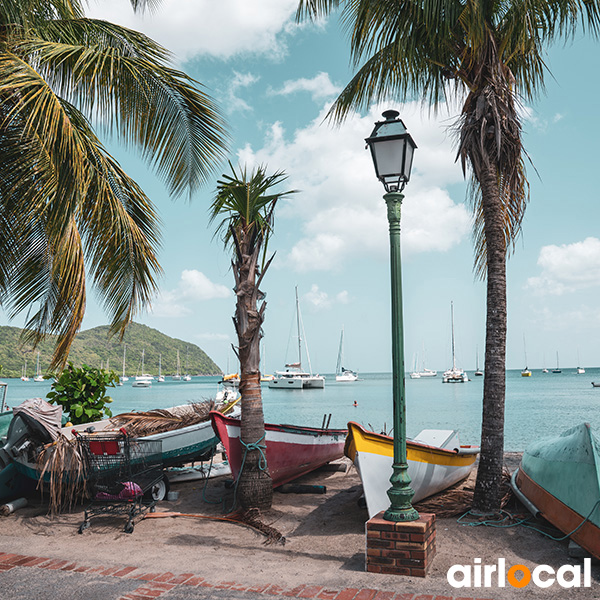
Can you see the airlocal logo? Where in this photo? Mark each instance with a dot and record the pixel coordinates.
(499, 575)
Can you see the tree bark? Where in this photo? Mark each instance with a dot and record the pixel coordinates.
(489, 476)
(254, 487)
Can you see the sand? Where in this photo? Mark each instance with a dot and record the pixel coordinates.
(325, 542)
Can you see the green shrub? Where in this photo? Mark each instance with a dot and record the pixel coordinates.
(82, 393)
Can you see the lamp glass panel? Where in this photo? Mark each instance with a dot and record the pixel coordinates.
(388, 157)
(408, 162)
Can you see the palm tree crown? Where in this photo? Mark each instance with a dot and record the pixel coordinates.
(489, 55)
(64, 200)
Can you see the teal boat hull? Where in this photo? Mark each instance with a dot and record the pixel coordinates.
(560, 476)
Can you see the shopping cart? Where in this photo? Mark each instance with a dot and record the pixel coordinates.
(121, 472)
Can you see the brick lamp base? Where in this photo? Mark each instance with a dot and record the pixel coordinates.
(400, 548)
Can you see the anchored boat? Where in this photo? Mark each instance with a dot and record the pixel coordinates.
(436, 460)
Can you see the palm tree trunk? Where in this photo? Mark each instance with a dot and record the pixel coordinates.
(255, 487)
(489, 475)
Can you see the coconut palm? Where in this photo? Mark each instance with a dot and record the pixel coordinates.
(70, 216)
(488, 55)
(246, 202)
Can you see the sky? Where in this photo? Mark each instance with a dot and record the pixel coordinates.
(274, 80)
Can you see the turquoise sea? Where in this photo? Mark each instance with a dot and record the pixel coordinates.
(537, 406)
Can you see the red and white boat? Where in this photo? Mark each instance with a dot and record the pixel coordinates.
(292, 450)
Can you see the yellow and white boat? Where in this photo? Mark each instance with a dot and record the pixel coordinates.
(436, 460)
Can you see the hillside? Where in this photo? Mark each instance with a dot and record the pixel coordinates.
(94, 348)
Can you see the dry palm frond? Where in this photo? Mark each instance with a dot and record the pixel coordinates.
(457, 499)
(67, 472)
(160, 420)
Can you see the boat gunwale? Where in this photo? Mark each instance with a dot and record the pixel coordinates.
(462, 450)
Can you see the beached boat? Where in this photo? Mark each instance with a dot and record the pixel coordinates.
(596, 384)
(180, 445)
(291, 451)
(436, 460)
(559, 479)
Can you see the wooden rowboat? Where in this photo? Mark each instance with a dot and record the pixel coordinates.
(559, 479)
(292, 450)
(436, 460)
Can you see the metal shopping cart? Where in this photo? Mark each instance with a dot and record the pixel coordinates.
(121, 472)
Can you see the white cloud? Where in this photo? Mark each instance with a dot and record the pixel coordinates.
(222, 28)
(319, 87)
(568, 268)
(212, 337)
(239, 81)
(194, 286)
(341, 200)
(317, 299)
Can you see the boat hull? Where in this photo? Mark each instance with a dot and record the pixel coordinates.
(292, 451)
(431, 469)
(560, 476)
(286, 382)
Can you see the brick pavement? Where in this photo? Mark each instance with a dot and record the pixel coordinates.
(155, 585)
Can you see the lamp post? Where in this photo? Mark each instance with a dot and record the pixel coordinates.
(392, 150)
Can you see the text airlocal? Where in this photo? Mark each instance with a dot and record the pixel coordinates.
(518, 576)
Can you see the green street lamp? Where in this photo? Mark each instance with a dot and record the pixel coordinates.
(392, 150)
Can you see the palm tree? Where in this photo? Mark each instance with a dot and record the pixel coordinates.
(70, 216)
(246, 202)
(488, 55)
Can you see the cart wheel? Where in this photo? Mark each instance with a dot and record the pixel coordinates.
(160, 489)
(128, 527)
(83, 526)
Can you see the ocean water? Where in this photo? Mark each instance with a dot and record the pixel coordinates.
(538, 406)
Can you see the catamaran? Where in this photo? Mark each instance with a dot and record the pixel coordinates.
(294, 378)
(454, 375)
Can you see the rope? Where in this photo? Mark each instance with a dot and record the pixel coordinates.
(525, 522)
(262, 464)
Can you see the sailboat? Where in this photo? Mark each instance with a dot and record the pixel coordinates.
(160, 377)
(424, 372)
(525, 372)
(124, 377)
(264, 377)
(143, 380)
(478, 371)
(342, 374)
(177, 375)
(24, 372)
(414, 373)
(580, 370)
(38, 374)
(454, 375)
(294, 378)
(187, 376)
(557, 370)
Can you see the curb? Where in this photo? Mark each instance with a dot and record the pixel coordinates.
(153, 585)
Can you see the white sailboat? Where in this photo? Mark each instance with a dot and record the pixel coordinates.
(24, 372)
(187, 376)
(177, 375)
(160, 377)
(425, 372)
(342, 374)
(580, 370)
(414, 373)
(124, 377)
(143, 380)
(294, 378)
(38, 374)
(454, 375)
(478, 371)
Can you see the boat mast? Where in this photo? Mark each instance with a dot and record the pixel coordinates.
(124, 350)
(452, 320)
(338, 368)
(298, 326)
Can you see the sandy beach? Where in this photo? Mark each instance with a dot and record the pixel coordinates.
(324, 542)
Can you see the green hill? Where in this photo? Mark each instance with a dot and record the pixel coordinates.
(94, 348)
